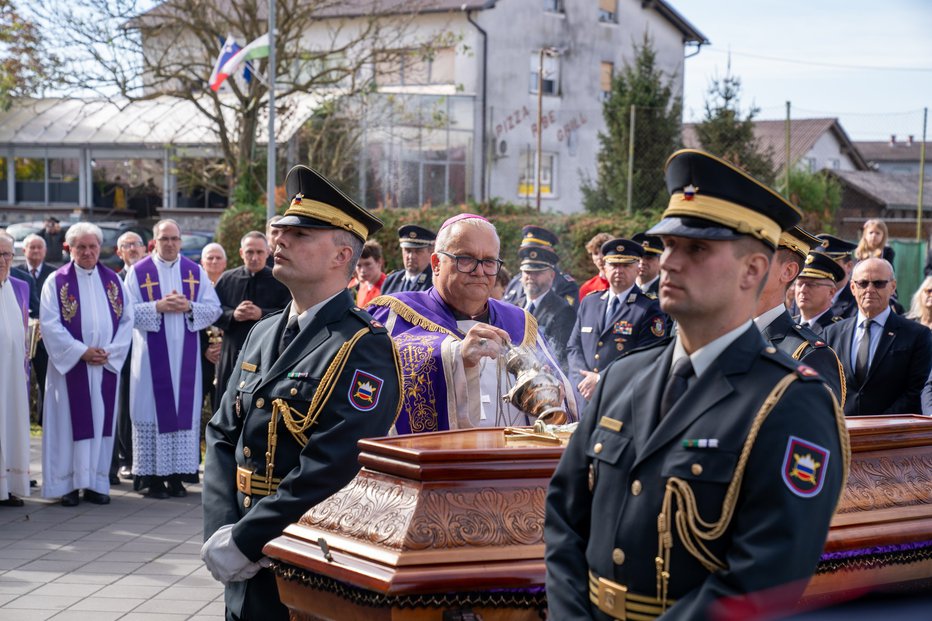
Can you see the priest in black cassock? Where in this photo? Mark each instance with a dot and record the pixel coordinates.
(247, 294)
(417, 244)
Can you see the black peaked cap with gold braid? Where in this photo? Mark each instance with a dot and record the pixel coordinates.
(820, 265)
(651, 243)
(621, 251)
(318, 204)
(799, 241)
(835, 247)
(713, 199)
(537, 258)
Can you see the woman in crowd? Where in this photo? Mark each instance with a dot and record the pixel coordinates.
(873, 242)
(921, 307)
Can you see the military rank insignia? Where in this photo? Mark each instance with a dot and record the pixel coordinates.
(657, 326)
(364, 391)
(804, 465)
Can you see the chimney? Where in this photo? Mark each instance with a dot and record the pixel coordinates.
(909, 141)
(892, 140)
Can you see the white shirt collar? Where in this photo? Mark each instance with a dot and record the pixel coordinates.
(881, 319)
(620, 296)
(702, 358)
(305, 318)
(768, 317)
(164, 262)
(649, 283)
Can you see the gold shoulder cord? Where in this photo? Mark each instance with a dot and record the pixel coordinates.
(298, 423)
(691, 528)
(410, 315)
(841, 370)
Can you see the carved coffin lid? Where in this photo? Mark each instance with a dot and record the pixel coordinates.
(431, 513)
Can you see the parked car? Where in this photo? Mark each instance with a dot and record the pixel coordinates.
(112, 232)
(193, 243)
(20, 230)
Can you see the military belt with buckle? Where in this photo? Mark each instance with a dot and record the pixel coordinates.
(252, 484)
(618, 602)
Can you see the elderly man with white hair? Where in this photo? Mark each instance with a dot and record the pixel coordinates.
(87, 321)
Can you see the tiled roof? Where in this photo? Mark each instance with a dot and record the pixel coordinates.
(804, 133)
(883, 151)
(893, 191)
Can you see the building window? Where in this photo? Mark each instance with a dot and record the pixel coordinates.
(553, 6)
(4, 193)
(415, 67)
(606, 70)
(527, 175)
(834, 163)
(607, 11)
(809, 164)
(550, 79)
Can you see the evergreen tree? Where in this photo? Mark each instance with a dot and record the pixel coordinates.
(729, 133)
(658, 116)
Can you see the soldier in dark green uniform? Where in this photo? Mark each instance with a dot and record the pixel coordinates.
(309, 383)
(706, 467)
(777, 325)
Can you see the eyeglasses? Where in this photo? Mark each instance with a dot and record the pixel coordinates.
(6, 256)
(467, 264)
(169, 239)
(128, 245)
(878, 284)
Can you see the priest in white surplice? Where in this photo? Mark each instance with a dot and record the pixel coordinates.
(87, 326)
(174, 301)
(14, 404)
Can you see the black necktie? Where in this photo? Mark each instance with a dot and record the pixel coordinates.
(532, 308)
(862, 362)
(676, 385)
(291, 331)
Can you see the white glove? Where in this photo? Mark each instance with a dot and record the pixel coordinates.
(225, 560)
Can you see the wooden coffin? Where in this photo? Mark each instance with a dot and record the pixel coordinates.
(449, 526)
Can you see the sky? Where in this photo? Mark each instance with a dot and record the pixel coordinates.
(866, 62)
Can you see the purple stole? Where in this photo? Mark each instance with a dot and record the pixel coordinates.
(171, 416)
(21, 292)
(78, 384)
(423, 322)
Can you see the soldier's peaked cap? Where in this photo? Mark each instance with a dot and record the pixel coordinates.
(621, 251)
(651, 243)
(820, 265)
(414, 236)
(538, 235)
(713, 199)
(318, 204)
(835, 247)
(535, 259)
(799, 241)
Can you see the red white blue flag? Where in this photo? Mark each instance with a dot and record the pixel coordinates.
(228, 51)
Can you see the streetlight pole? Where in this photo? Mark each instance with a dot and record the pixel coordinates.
(270, 206)
(540, 119)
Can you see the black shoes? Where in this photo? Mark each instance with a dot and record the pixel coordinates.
(115, 480)
(126, 473)
(157, 488)
(70, 499)
(12, 501)
(95, 497)
(175, 488)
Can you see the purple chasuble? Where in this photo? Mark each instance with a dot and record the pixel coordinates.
(77, 381)
(423, 322)
(171, 416)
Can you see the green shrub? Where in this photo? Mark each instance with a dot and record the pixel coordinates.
(236, 221)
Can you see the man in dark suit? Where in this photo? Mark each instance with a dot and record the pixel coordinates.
(613, 322)
(54, 241)
(554, 316)
(309, 384)
(839, 250)
(887, 358)
(648, 279)
(777, 326)
(815, 289)
(658, 447)
(417, 244)
(247, 294)
(564, 284)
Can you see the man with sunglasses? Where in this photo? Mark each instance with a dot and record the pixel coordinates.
(451, 338)
(886, 357)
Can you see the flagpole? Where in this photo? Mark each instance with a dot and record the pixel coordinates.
(270, 166)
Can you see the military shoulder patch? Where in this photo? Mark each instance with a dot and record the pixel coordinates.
(804, 465)
(651, 295)
(364, 391)
(568, 277)
(658, 327)
(807, 371)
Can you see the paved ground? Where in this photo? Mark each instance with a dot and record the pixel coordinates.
(133, 559)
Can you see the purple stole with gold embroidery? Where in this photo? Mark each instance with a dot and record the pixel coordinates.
(78, 384)
(424, 392)
(171, 416)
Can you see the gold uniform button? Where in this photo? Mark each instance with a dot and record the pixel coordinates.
(636, 488)
(600, 343)
(618, 556)
(247, 502)
(696, 469)
(260, 402)
(771, 350)
(243, 383)
(597, 356)
(597, 448)
(294, 391)
(246, 452)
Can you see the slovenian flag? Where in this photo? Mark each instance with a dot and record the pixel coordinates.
(256, 49)
(229, 49)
